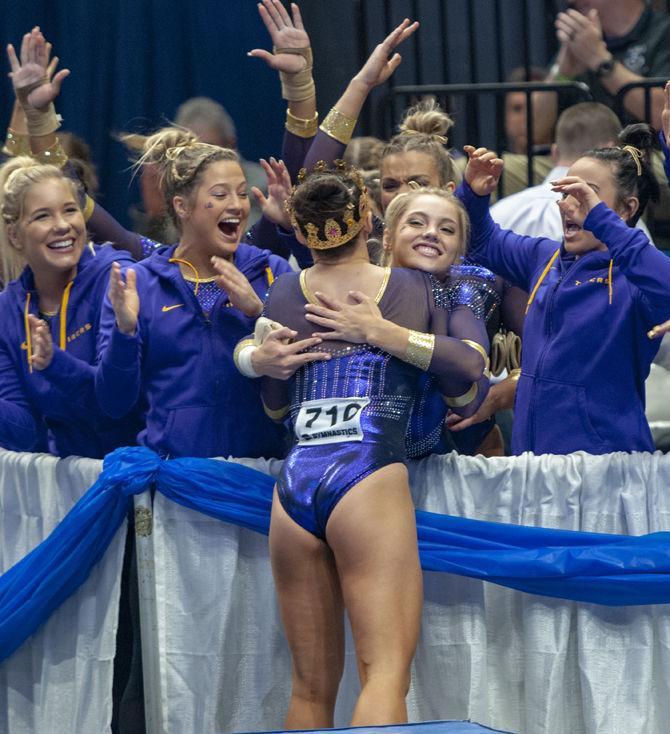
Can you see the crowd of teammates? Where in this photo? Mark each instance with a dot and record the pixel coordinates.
(404, 321)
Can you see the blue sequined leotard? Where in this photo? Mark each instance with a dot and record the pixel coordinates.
(350, 413)
(315, 478)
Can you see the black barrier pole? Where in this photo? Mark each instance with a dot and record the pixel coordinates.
(646, 85)
(444, 24)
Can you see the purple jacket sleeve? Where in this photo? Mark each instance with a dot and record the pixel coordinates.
(66, 388)
(118, 375)
(19, 425)
(647, 268)
(514, 257)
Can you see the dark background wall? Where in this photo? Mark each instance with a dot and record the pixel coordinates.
(134, 61)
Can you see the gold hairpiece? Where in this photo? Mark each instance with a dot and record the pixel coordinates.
(334, 236)
(636, 154)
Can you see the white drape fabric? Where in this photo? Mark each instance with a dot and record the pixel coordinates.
(516, 662)
(513, 661)
(60, 680)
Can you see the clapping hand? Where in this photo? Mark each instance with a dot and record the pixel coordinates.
(124, 298)
(42, 349)
(582, 44)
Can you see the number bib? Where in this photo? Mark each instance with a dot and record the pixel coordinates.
(331, 420)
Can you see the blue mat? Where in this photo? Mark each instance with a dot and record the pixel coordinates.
(424, 727)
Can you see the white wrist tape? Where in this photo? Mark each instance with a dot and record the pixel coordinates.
(244, 364)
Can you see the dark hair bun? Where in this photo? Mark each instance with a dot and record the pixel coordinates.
(641, 136)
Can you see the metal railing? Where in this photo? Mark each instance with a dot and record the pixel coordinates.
(469, 103)
(646, 86)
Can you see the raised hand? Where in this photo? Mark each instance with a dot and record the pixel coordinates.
(483, 170)
(124, 299)
(383, 61)
(278, 357)
(579, 199)
(41, 342)
(273, 205)
(31, 75)
(285, 32)
(665, 114)
(350, 322)
(239, 290)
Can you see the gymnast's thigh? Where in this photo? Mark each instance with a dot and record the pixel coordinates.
(372, 532)
(310, 600)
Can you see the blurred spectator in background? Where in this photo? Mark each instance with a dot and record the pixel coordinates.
(365, 153)
(515, 115)
(611, 43)
(580, 128)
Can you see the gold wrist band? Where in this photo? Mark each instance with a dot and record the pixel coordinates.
(514, 375)
(275, 415)
(299, 86)
(16, 144)
(302, 128)
(54, 155)
(460, 400)
(339, 126)
(482, 351)
(420, 349)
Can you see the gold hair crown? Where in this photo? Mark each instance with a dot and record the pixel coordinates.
(334, 236)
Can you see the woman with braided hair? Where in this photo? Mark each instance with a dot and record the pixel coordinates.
(343, 534)
(593, 298)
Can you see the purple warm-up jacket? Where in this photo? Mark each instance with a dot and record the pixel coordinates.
(180, 361)
(55, 409)
(586, 353)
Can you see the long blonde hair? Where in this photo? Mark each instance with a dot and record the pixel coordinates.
(179, 158)
(17, 176)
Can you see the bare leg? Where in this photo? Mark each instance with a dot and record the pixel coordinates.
(372, 532)
(310, 601)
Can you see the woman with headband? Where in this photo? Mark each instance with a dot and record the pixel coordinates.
(343, 534)
(593, 297)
